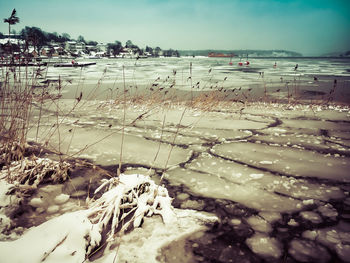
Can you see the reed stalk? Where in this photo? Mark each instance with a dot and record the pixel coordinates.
(123, 127)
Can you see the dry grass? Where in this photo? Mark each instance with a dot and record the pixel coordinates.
(30, 172)
(17, 94)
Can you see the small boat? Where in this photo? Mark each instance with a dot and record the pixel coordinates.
(220, 55)
(141, 56)
(30, 64)
(74, 64)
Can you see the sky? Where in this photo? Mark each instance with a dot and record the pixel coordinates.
(311, 27)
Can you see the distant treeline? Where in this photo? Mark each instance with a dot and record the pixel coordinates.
(242, 53)
(337, 54)
(38, 38)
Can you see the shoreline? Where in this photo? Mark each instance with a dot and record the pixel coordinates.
(323, 91)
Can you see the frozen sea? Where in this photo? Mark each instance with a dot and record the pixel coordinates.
(275, 175)
(310, 76)
(147, 70)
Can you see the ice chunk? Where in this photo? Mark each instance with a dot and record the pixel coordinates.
(308, 251)
(235, 221)
(337, 239)
(310, 234)
(333, 236)
(61, 199)
(53, 209)
(211, 185)
(259, 224)
(311, 216)
(182, 196)
(347, 201)
(297, 159)
(288, 186)
(36, 202)
(265, 162)
(136, 149)
(292, 222)
(264, 245)
(256, 176)
(308, 202)
(343, 251)
(193, 204)
(270, 216)
(328, 211)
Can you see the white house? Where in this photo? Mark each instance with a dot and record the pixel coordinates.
(101, 47)
(71, 46)
(12, 41)
(80, 47)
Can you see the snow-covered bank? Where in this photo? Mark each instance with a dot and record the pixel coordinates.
(64, 239)
(73, 237)
(61, 239)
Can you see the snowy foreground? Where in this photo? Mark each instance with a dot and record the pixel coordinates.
(74, 235)
(250, 183)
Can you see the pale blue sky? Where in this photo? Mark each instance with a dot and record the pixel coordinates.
(311, 27)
